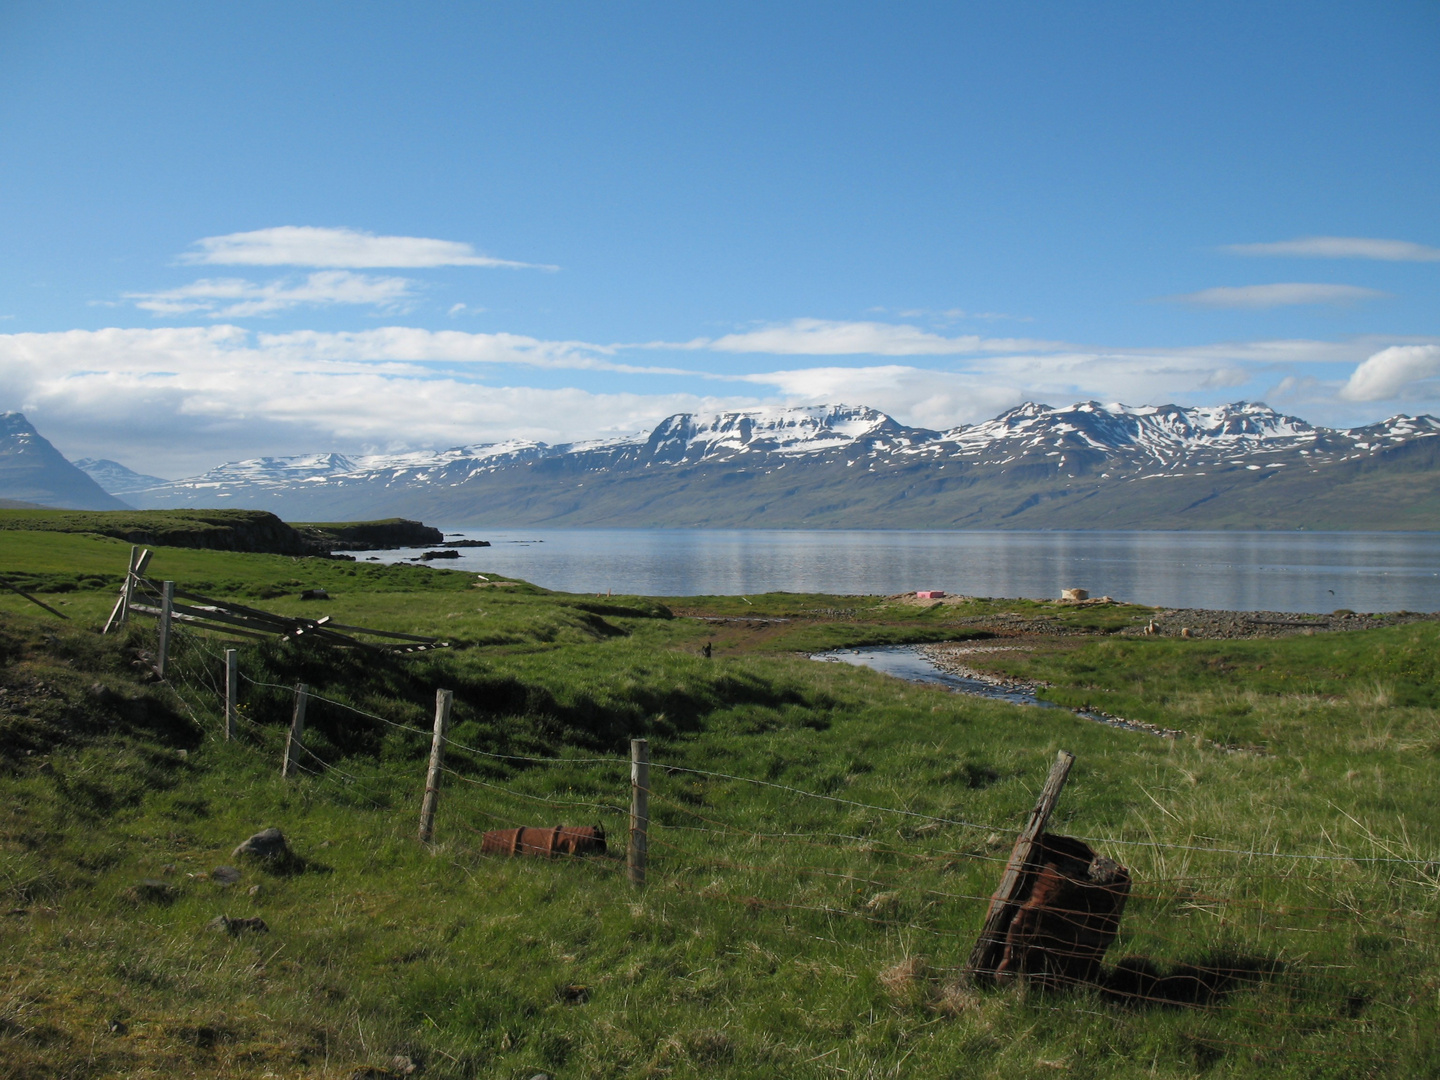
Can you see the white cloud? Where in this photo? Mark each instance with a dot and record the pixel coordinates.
(406, 344)
(1342, 247)
(822, 337)
(988, 385)
(1280, 295)
(175, 401)
(306, 245)
(236, 298)
(1399, 371)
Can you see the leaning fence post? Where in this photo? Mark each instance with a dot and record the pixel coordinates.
(232, 691)
(167, 610)
(985, 956)
(639, 810)
(443, 698)
(297, 729)
(120, 611)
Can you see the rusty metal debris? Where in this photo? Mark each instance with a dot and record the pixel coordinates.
(560, 840)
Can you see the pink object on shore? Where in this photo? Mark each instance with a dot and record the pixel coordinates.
(931, 594)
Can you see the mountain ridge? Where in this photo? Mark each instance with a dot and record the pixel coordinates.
(33, 471)
(1085, 465)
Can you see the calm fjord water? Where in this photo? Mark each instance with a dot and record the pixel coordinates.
(1274, 571)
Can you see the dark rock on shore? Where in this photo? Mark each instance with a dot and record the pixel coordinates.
(372, 535)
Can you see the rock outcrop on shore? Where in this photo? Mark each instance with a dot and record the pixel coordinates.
(370, 535)
(254, 531)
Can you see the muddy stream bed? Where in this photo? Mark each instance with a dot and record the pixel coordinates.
(939, 665)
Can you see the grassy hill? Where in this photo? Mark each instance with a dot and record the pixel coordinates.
(816, 881)
(222, 530)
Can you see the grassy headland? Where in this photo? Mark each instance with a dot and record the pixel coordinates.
(780, 934)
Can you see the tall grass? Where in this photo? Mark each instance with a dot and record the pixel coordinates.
(780, 933)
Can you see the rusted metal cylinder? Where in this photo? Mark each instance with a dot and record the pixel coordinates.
(1068, 917)
(559, 840)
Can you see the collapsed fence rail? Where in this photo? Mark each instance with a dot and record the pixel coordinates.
(140, 595)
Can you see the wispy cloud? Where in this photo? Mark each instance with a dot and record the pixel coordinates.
(1399, 371)
(1280, 295)
(308, 245)
(822, 337)
(236, 298)
(177, 400)
(1341, 247)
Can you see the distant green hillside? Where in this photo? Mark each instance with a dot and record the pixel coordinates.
(224, 530)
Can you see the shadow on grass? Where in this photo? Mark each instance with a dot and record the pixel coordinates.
(504, 712)
(1141, 983)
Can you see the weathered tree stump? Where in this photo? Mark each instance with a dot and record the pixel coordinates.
(1066, 915)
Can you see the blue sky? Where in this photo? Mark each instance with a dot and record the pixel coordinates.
(278, 228)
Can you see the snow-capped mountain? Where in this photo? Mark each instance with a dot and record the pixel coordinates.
(1170, 438)
(678, 471)
(116, 478)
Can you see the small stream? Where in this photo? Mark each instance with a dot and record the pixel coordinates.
(908, 663)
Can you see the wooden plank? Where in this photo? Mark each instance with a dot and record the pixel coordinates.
(134, 580)
(985, 957)
(118, 612)
(202, 622)
(638, 851)
(297, 729)
(37, 603)
(167, 614)
(219, 615)
(379, 633)
(443, 700)
(295, 626)
(232, 691)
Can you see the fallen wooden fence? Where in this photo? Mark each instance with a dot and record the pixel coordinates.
(144, 597)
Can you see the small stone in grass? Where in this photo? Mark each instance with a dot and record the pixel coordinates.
(225, 875)
(265, 844)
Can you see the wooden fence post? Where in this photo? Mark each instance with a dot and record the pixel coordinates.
(139, 560)
(167, 610)
(297, 729)
(986, 955)
(639, 847)
(443, 698)
(232, 691)
(120, 611)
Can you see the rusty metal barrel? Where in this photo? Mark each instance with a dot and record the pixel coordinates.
(559, 840)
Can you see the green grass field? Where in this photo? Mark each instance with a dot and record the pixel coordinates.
(780, 933)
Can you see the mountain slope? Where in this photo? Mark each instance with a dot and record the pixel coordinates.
(33, 471)
(116, 478)
(1085, 466)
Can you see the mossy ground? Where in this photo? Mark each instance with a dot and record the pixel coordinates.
(779, 934)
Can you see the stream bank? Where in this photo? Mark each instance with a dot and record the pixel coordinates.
(936, 664)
